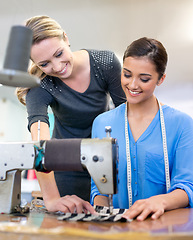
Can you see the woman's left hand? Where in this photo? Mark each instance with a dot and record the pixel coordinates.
(156, 206)
(141, 209)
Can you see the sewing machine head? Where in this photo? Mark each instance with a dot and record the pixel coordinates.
(98, 156)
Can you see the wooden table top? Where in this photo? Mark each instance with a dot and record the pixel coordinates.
(176, 224)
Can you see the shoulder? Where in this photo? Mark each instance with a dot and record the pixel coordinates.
(111, 115)
(113, 118)
(107, 59)
(36, 91)
(177, 118)
(171, 112)
(47, 82)
(41, 92)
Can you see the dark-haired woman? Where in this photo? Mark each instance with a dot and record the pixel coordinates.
(155, 141)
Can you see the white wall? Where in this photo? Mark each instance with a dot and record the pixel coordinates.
(113, 24)
(12, 122)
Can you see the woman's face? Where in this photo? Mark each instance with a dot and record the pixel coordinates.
(54, 57)
(139, 79)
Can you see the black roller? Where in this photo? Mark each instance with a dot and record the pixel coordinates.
(63, 155)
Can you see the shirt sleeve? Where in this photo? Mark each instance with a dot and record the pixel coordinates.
(94, 189)
(37, 102)
(182, 170)
(113, 79)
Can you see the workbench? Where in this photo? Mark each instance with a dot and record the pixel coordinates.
(176, 224)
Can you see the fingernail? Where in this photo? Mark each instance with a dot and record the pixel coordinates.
(127, 218)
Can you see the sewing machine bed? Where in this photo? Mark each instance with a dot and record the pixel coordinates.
(176, 224)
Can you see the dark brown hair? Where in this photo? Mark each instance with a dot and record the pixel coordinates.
(150, 48)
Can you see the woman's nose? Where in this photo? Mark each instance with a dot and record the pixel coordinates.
(56, 66)
(133, 83)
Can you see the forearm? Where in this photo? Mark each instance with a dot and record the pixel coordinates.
(101, 201)
(175, 199)
(48, 186)
(46, 181)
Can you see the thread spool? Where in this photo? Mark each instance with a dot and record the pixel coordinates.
(18, 48)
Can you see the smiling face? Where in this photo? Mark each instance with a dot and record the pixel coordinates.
(139, 79)
(53, 56)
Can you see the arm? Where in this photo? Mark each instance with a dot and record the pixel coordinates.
(96, 198)
(157, 205)
(113, 79)
(100, 200)
(49, 189)
(181, 191)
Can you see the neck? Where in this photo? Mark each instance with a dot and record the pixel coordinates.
(145, 108)
(80, 62)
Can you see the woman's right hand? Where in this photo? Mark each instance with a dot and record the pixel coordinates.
(72, 204)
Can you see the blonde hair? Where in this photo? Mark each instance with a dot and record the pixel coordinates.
(43, 27)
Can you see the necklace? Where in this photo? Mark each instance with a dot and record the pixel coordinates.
(164, 140)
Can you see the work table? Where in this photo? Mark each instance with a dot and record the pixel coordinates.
(176, 224)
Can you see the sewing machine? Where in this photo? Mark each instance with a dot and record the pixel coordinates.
(98, 156)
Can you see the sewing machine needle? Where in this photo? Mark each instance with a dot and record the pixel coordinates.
(111, 203)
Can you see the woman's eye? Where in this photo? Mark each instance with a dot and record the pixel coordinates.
(127, 75)
(145, 80)
(44, 64)
(59, 54)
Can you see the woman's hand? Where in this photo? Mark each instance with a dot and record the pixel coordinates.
(141, 209)
(72, 204)
(157, 205)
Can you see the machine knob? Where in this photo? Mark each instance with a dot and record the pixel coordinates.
(103, 179)
(108, 131)
(95, 158)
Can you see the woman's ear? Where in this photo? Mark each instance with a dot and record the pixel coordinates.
(66, 39)
(161, 80)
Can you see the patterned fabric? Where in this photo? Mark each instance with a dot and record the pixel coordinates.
(103, 215)
(37, 205)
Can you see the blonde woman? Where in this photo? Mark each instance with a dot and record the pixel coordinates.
(76, 86)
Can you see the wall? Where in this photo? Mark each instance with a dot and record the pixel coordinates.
(112, 24)
(12, 122)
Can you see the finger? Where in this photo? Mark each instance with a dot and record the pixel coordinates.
(68, 204)
(79, 207)
(137, 208)
(88, 207)
(75, 204)
(82, 206)
(145, 213)
(78, 203)
(131, 213)
(157, 214)
(63, 208)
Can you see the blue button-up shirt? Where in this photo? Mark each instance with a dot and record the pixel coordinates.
(147, 158)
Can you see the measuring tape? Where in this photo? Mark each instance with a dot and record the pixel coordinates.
(167, 172)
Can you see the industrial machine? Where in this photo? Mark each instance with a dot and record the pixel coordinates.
(98, 156)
